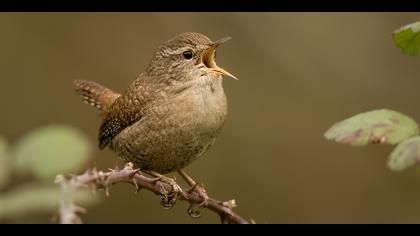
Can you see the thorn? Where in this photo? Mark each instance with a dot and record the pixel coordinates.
(134, 172)
(101, 174)
(230, 204)
(129, 165)
(185, 195)
(383, 140)
(59, 179)
(137, 186)
(155, 180)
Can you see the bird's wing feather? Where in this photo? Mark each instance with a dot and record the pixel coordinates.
(125, 111)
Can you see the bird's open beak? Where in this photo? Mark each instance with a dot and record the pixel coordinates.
(209, 61)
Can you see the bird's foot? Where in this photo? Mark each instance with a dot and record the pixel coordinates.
(197, 189)
(194, 209)
(167, 200)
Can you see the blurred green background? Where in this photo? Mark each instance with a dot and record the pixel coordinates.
(299, 74)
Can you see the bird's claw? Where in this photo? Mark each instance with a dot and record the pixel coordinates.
(194, 209)
(168, 199)
(199, 189)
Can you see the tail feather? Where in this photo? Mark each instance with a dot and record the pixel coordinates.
(95, 94)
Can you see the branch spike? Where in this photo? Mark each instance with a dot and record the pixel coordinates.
(230, 204)
(133, 173)
(137, 186)
(166, 187)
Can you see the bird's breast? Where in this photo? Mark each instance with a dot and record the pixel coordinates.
(207, 105)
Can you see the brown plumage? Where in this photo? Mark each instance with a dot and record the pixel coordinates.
(172, 113)
(95, 94)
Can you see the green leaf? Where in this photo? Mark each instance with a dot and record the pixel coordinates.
(378, 126)
(4, 164)
(408, 39)
(38, 199)
(406, 154)
(51, 150)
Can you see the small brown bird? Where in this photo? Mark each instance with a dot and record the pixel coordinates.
(172, 113)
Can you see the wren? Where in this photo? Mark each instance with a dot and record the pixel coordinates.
(172, 113)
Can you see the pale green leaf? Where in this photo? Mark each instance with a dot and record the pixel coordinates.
(51, 150)
(378, 126)
(408, 38)
(29, 199)
(406, 154)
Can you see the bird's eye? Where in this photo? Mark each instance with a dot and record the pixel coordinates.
(188, 54)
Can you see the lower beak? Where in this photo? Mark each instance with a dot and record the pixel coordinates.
(208, 59)
(224, 72)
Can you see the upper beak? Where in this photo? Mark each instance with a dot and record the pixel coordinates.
(216, 43)
(208, 58)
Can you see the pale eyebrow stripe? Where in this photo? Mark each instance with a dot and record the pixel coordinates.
(169, 51)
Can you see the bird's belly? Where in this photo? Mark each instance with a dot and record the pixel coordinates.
(169, 142)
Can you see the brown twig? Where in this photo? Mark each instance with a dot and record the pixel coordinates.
(168, 190)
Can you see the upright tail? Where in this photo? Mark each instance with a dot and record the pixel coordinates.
(95, 94)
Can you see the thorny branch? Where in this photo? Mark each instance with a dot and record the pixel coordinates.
(168, 190)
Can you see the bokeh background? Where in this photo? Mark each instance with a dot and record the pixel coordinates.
(299, 74)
